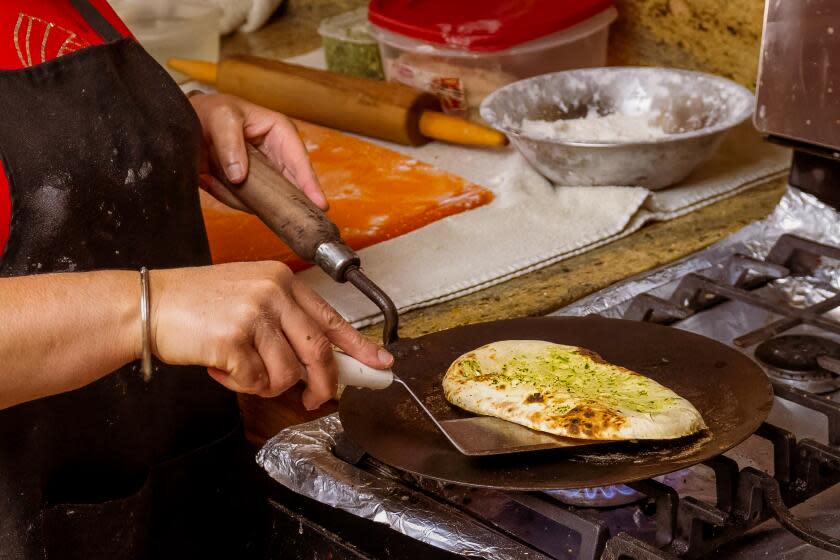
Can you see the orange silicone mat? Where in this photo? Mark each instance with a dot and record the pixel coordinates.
(374, 193)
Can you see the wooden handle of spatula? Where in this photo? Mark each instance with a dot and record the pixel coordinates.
(284, 208)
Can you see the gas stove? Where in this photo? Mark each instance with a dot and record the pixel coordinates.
(772, 291)
(773, 294)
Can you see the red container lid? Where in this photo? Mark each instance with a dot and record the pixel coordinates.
(481, 25)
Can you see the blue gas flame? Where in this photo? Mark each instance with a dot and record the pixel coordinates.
(609, 492)
(598, 492)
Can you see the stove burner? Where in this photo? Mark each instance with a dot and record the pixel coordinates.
(601, 496)
(620, 494)
(802, 361)
(796, 352)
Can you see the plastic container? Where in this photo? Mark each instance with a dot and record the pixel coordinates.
(172, 28)
(349, 47)
(463, 68)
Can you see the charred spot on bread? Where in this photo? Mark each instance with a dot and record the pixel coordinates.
(597, 419)
(595, 357)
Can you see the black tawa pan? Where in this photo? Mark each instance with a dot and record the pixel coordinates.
(729, 389)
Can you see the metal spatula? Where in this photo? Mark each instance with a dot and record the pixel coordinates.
(314, 238)
(476, 436)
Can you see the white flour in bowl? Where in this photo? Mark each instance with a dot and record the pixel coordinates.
(614, 127)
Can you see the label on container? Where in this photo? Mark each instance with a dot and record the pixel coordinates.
(450, 90)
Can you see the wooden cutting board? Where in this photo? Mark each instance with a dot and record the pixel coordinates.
(374, 193)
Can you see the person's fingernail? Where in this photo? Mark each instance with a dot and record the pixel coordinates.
(385, 357)
(234, 171)
(318, 198)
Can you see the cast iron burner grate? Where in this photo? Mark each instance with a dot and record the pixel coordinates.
(664, 523)
(798, 366)
(737, 281)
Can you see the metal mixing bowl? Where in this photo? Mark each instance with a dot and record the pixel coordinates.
(694, 109)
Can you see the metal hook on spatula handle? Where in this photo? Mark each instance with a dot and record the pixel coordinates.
(294, 218)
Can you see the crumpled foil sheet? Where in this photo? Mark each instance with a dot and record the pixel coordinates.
(798, 213)
(301, 459)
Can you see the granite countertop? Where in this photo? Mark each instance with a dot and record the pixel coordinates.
(720, 36)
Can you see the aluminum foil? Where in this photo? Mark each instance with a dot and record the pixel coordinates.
(301, 459)
(798, 213)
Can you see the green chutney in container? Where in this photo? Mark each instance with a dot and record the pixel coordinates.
(349, 48)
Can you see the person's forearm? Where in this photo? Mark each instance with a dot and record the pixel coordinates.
(59, 332)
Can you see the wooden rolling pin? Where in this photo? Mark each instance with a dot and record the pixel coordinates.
(385, 110)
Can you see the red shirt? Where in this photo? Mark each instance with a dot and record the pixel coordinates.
(36, 31)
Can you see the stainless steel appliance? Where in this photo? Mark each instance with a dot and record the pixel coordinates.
(798, 90)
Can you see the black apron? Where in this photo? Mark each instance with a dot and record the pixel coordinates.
(101, 149)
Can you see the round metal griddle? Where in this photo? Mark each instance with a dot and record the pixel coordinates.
(729, 389)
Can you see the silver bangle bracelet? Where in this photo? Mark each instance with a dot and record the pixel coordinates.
(145, 325)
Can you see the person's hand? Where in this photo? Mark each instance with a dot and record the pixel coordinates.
(256, 328)
(228, 122)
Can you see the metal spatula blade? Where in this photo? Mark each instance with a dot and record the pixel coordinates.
(475, 436)
(485, 435)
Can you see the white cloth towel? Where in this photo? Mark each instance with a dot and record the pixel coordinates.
(530, 224)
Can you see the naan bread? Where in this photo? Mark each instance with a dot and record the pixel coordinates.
(567, 391)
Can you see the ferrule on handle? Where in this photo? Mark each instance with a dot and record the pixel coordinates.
(335, 259)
